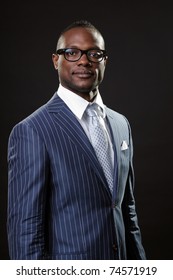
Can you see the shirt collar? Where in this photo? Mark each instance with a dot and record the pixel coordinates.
(76, 103)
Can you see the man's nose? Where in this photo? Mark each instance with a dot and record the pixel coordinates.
(84, 59)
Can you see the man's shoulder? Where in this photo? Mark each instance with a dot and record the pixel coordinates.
(115, 114)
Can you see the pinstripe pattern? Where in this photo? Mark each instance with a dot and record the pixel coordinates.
(59, 204)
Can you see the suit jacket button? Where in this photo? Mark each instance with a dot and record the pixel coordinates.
(113, 205)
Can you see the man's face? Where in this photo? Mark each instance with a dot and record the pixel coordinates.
(81, 76)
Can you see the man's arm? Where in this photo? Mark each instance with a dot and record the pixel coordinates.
(134, 245)
(27, 176)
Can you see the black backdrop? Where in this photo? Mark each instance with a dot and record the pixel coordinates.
(138, 83)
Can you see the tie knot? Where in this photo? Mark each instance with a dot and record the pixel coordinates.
(94, 110)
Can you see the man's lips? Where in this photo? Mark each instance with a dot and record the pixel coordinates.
(83, 73)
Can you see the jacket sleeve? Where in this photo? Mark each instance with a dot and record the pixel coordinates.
(134, 245)
(27, 177)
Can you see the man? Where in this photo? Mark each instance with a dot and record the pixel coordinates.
(61, 202)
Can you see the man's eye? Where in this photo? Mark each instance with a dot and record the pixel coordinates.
(71, 53)
(95, 54)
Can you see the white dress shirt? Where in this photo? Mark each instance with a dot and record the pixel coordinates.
(78, 105)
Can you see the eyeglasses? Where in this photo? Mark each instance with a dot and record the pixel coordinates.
(73, 54)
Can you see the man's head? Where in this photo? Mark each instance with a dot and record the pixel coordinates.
(80, 72)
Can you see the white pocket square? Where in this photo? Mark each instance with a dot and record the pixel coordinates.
(124, 145)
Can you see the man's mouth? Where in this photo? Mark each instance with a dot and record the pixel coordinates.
(83, 74)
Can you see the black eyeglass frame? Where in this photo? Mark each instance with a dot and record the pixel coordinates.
(63, 51)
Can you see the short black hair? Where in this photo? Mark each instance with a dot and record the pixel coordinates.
(79, 23)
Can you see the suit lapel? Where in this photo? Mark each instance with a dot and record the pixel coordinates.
(121, 138)
(67, 121)
(116, 144)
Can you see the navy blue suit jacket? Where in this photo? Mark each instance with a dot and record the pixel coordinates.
(59, 203)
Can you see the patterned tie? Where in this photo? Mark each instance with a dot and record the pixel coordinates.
(99, 141)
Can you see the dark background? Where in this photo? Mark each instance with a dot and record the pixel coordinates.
(138, 83)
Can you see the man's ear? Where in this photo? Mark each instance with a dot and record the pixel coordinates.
(55, 60)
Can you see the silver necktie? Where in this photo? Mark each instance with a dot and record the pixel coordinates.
(99, 141)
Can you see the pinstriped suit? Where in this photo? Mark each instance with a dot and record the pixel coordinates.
(59, 203)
